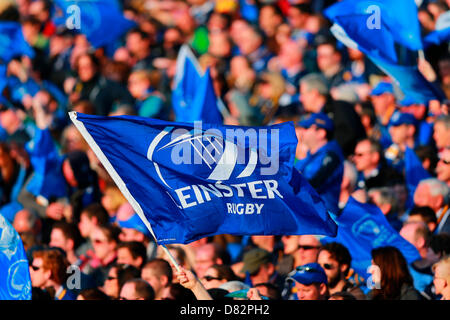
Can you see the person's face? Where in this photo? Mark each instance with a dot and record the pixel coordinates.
(268, 20)
(308, 98)
(308, 249)
(381, 103)
(85, 225)
(58, 240)
(203, 260)
(331, 267)
(326, 57)
(124, 257)
(308, 292)
(422, 196)
(137, 86)
(363, 158)
(310, 137)
(86, 68)
(399, 134)
(408, 233)
(73, 140)
(130, 234)
(111, 285)
(211, 280)
(443, 167)
(102, 246)
(296, 18)
(290, 244)
(39, 276)
(153, 279)
(439, 283)
(441, 135)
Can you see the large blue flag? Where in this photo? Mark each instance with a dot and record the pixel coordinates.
(12, 42)
(363, 227)
(101, 21)
(15, 282)
(193, 96)
(188, 181)
(441, 33)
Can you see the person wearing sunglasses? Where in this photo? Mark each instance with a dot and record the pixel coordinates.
(48, 272)
(309, 282)
(217, 275)
(443, 166)
(335, 259)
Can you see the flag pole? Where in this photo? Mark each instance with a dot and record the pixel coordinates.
(421, 54)
(118, 181)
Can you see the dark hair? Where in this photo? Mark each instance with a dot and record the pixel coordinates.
(440, 243)
(427, 152)
(394, 273)
(69, 230)
(273, 291)
(126, 272)
(161, 267)
(339, 253)
(344, 295)
(427, 214)
(180, 293)
(137, 249)
(225, 272)
(94, 294)
(143, 289)
(98, 211)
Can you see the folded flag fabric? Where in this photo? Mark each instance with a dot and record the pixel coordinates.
(15, 282)
(12, 42)
(187, 181)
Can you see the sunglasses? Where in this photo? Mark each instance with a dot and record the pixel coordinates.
(210, 278)
(308, 247)
(305, 269)
(35, 268)
(328, 266)
(98, 241)
(444, 161)
(111, 278)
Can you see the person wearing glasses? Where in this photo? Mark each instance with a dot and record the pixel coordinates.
(218, 274)
(441, 278)
(48, 272)
(336, 260)
(443, 166)
(309, 282)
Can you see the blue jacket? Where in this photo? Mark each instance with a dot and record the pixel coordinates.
(324, 171)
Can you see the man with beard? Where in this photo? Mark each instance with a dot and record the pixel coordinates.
(335, 259)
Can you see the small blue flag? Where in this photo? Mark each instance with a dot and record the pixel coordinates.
(48, 179)
(193, 96)
(363, 227)
(15, 282)
(12, 42)
(101, 21)
(187, 181)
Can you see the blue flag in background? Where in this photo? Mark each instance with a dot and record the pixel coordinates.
(15, 282)
(350, 27)
(363, 227)
(193, 96)
(12, 42)
(187, 182)
(48, 179)
(414, 173)
(442, 32)
(101, 21)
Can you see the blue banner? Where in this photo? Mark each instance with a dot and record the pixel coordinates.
(15, 282)
(193, 96)
(12, 42)
(363, 227)
(102, 21)
(188, 181)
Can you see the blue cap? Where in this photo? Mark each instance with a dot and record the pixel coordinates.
(321, 120)
(134, 222)
(382, 87)
(309, 273)
(399, 118)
